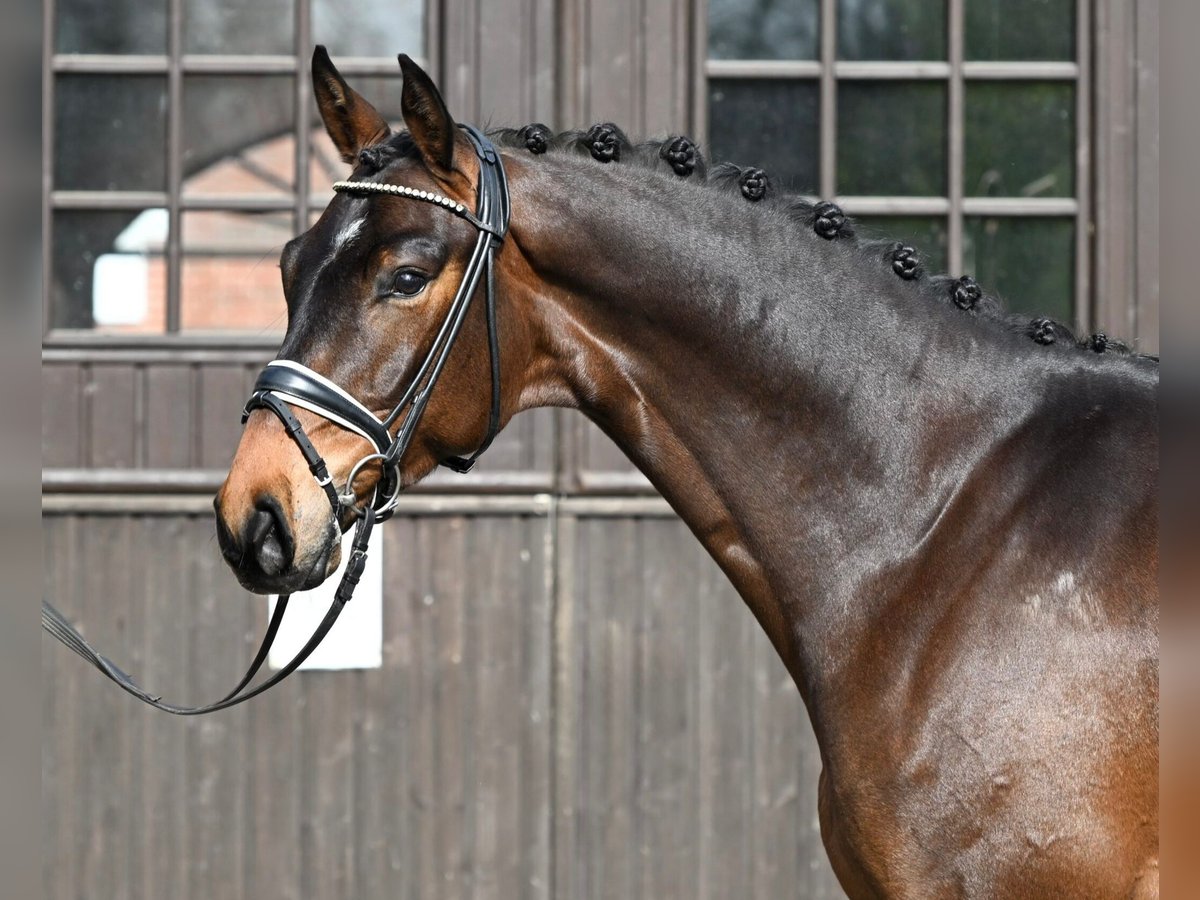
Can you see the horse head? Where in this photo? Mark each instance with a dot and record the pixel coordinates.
(379, 296)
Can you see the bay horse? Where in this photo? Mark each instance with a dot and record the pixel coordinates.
(944, 516)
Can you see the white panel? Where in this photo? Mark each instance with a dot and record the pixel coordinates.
(120, 289)
(356, 640)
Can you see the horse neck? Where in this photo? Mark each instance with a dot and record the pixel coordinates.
(783, 399)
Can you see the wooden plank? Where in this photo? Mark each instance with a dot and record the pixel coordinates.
(170, 414)
(665, 69)
(110, 397)
(277, 747)
(99, 733)
(612, 75)
(496, 730)
(725, 738)
(215, 770)
(326, 783)
(536, 821)
(503, 62)
(62, 410)
(59, 703)
(423, 871)
(613, 855)
(1147, 167)
(163, 546)
(1116, 132)
(448, 781)
(458, 77)
(606, 758)
(388, 865)
(590, 719)
(667, 795)
(129, 590)
(565, 870)
(221, 394)
(76, 755)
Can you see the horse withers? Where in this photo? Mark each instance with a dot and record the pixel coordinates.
(944, 516)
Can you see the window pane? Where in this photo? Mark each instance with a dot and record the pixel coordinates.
(108, 271)
(892, 29)
(114, 26)
(1020, 29)
(767, 123)
(1029, 263)
(928, 234)
(892, 138)
(231, 271)
(1020, 139)
(763, 29)
(397, 26)
(238, 26)
(324, 165)
(236, 134)
(110, 132)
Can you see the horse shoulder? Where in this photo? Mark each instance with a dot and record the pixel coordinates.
(1008, 736)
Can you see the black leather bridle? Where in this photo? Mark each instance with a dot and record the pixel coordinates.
(285, 383)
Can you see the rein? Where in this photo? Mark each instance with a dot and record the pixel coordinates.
(285, 383)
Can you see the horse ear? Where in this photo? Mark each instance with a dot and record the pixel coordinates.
(351, 121)
(426, 116)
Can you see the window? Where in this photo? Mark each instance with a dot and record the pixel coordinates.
(957, 125)
(186, 149)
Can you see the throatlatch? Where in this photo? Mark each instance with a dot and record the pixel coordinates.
(286, 383)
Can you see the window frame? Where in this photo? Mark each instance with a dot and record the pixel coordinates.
(175, 65)
(955, 71)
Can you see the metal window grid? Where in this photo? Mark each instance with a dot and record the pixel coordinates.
(301, 200)
(828, 71)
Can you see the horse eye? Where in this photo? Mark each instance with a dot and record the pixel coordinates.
(409, 283)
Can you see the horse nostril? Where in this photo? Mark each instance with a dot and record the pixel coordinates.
(269, 539)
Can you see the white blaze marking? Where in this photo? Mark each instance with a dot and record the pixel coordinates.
(349, 230)
(346, 234)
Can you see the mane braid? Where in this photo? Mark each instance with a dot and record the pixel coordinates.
(676, 155)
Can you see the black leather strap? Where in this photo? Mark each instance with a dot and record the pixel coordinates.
(461, 464)
(493, 191)
(57, 625)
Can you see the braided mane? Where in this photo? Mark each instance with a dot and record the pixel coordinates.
(680, 157)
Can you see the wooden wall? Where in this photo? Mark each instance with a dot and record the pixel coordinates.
(572, 704)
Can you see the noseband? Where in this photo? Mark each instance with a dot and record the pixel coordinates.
(285, 383)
